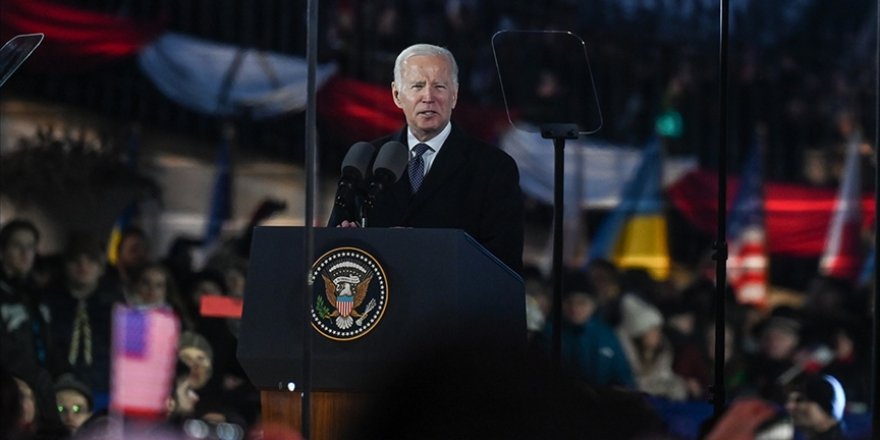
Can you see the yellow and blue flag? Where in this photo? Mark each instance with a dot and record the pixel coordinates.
(635, 233)
(130, 212)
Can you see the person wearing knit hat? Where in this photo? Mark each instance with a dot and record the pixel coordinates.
(74, 401)
(816, 407)
(649, 352)
(195, 351)
(639, 317)
(589, 347)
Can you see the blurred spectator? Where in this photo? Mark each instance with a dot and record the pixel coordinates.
(180, 260)
(153, 286)
(538, 300)
(695, 362)
(778, 338)
(589, 347)
(605, 278)
(849, 364)
(11, 409)
(81, 303)
(27, 421)
(229, 386)
(648, 350)
(196, 353)
(38, 418)
(27, 350)
(218, 331)
(234, 270)
(74, 401)
(205, 282)
(816, 406)
(132, 253)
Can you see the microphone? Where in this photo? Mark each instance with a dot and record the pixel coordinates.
(389, 165)
(355, 166)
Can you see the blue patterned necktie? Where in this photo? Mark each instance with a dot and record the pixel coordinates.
(417, 167)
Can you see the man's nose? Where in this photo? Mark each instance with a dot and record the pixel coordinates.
(427, 94)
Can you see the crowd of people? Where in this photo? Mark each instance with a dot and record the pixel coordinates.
(621, 330)
(57, 329)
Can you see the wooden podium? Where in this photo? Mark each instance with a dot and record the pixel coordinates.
(412, 289)
(328, 407)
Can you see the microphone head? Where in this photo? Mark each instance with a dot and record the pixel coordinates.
(357, 161)
(390, 162)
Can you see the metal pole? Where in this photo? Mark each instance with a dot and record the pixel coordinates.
(309, 245)
(719, 398)
(875, 408)
(559, 132)
(558, 201)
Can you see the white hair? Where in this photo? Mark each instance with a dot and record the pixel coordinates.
(424, 50)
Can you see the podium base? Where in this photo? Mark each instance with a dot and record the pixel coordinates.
(332, 412)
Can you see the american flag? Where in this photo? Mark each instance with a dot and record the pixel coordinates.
(841, 256)
(144, 355)
(747, 237)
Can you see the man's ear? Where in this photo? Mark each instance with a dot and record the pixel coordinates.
(395, 95)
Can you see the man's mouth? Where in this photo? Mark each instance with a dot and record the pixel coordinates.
(428, 113)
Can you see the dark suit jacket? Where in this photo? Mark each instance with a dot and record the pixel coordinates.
(471, 186)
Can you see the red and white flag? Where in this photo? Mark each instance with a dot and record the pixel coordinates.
(747, 265)
(841, 258)
(144, 356)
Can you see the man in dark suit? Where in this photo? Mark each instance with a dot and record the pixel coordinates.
(452, 180)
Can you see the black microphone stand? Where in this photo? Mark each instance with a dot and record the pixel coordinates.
(366, 206)
(559, 133)
(369, 196)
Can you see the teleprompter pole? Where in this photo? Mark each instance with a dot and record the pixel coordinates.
(559, 133)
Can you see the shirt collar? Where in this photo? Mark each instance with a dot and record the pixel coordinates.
(435, 142)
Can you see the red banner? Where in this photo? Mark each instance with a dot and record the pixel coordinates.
(797, 216)
(76, 40)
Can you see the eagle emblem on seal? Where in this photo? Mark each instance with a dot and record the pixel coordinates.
(346, 294)
(352, 295)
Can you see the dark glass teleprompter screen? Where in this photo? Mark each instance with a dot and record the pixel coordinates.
(546, 79)
(15, 52)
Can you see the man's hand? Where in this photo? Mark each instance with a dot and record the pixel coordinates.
(348, 224)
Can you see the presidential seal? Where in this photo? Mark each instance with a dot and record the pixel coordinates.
(350, 293)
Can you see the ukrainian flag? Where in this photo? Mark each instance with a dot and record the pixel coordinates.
(635, 234)
(130, 212)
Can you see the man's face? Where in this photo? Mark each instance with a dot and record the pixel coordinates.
(778, 344)
(426, 94)
(19, 253)
(83, 271)
(578, 308)
(132, 252)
